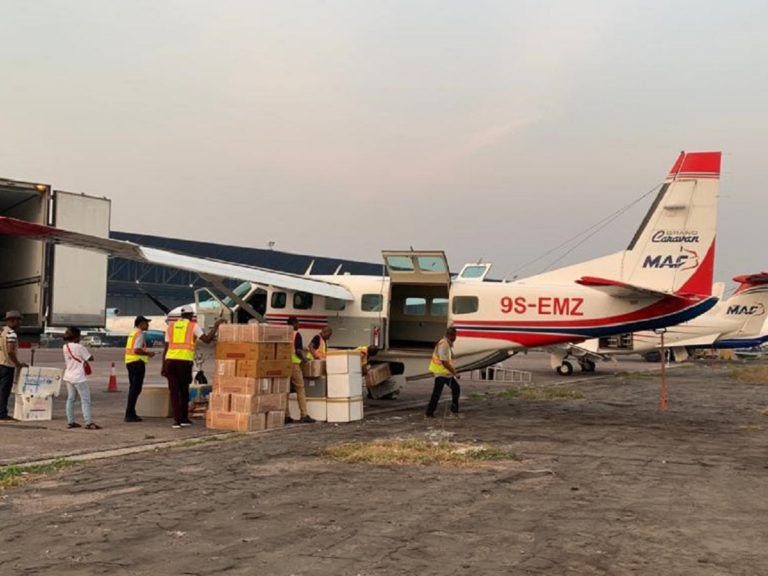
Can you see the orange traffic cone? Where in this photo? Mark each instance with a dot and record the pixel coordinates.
(112, 386)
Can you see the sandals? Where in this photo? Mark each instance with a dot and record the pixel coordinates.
(92, 426)
(73, 425)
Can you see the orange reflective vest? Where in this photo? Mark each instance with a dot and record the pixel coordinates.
(181, 340)
(322, 347)
(436, 365)
(130, 346)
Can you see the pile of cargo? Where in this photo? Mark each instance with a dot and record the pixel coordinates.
(252, 379)
(34, 391)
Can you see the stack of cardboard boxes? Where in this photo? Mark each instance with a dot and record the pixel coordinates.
(252, 380)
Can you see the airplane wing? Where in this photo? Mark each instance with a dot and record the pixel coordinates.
(204, 266)
(623, 290)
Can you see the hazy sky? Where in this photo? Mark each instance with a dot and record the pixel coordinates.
(491, 129)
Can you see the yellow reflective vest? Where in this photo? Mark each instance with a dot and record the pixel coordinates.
(436, 365)
(130, 346)
(322, 347)
(295, 358)
(181, 340)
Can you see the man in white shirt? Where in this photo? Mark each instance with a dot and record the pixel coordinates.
(8, 360)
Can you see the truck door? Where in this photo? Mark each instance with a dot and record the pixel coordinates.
(419, 286)
(78, 280)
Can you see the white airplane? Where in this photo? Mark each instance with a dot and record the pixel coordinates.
(737, 322)
(663, 278)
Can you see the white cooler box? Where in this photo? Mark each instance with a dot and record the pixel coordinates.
(343, 362)
(29, 408)
(38, 382)
(316, 408)
(345, 409)
(345, 385)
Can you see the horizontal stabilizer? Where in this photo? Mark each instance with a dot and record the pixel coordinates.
(622, 289)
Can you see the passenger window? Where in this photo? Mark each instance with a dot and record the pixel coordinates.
(278, 299)
(415, 307)
(372, 302)
(302, 301)
(334, 304)
(439, 307)
(465, 304)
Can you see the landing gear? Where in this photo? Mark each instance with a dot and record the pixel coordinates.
(587, 365)
(565, 369)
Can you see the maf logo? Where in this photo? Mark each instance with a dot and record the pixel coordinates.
(744, 310)
(687, 260)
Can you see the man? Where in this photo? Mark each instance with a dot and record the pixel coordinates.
(445, 373)
(366, 353)
(136, 358)
(179, 358)
(318, 348)
(8, 359)
(297, 378)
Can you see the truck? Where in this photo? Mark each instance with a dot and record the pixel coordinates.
(52, 286)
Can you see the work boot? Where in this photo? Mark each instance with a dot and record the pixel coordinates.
(307, 419)
(133, 419)
(289, 420)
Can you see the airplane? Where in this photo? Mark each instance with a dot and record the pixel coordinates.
(663, 278)
(737, 322)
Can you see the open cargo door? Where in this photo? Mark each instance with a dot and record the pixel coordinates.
(78, 292)
(419, 286)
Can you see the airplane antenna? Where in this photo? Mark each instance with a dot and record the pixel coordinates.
(338, 270)
(309, 268)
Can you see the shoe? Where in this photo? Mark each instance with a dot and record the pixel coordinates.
(73, 425)
(289, 420)
(133, 419)
(92, 426)
(429, 415)
(307, 419)
(7, 418)
(186, 424)
(176, 425)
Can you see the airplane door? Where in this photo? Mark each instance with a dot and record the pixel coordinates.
(419, 286)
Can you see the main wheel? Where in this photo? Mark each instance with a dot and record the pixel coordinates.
(587, 365)
(565, 369)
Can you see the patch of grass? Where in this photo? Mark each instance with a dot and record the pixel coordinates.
(541, 394)
(751, 374)
(476, 396)
(413, 451)
(16, 475)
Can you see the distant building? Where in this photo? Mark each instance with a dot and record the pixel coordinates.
(127, 279)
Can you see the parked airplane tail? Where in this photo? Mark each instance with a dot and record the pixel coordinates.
(749, 303)
(674, 248)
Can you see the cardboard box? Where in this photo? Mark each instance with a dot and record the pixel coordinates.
(274, 369)
(343, 362)
(39, 382)
(253, 404)
(344, 385)
(283, 351)
(219, 402)
(235, 385)
(280, 385)
(229, 333)
(274, 333)
(154, 402)
(378, 374)
(30, 408)
(313, 368)
(275, 419)
(235, 421)
(317, 408)
(226, 367)
(237, 351)
(344, 409)
(316, 387)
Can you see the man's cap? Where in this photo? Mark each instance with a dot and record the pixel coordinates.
(140, 319)
(292, 320)
(13, 315)
(186, 310)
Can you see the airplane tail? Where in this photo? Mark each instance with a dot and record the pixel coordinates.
(748, 303)
(674, 248)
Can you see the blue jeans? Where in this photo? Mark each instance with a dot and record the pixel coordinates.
(84, 391)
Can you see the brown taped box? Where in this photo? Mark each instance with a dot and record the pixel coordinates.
(283, 351)
(377, 374)
(263, 368)
(313, 368)
(235, 421)
(235, 385)
(237, 351)
(218, 402)
(226, 367)
(280, 385)
(275, 419)
(274, 333)
(253, 404)
(229, 333)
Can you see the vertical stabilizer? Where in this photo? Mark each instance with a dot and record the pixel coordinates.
(748, 303)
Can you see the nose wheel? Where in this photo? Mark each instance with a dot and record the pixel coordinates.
(565, 369)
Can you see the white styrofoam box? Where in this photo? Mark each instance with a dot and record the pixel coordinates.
(343, 363)
(38, 381)
(345, 409)
(293, 406)
(318, 409)
(154, 402)
(345, 385)
(27, 408)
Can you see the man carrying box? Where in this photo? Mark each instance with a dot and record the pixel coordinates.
(297, 378)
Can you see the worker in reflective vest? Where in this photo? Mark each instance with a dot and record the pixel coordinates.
(298, 356)
(179, 358)
(366, 353)
(319, 345)
(136, 358)
(442, 367)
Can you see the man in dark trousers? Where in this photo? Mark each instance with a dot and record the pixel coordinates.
(179, 358)
(8, 360)
(445, 373)
(136, 358)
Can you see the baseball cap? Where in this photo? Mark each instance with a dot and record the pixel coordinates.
(186, 310)
(140, 319)
(13, 315)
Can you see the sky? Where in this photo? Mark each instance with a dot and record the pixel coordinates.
(488, 129)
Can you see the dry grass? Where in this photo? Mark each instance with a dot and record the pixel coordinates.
(16, 475)
(413, 451)
(751, 374)
(541, 394)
